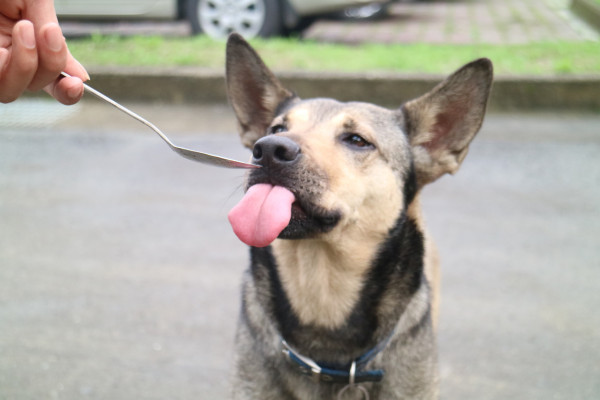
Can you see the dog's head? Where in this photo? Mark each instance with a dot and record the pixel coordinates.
(351, 164)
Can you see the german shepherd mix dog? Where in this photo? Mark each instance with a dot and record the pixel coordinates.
(340, 300)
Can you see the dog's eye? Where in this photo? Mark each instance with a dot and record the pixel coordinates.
(355, 140)
(277, 129)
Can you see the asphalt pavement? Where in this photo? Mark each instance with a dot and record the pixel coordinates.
(119, 274)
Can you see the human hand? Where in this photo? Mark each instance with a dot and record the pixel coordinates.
(33, 52)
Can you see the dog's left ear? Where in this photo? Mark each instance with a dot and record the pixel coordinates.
(254, 92)
(441, 124)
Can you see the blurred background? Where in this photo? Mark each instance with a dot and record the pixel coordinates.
(218, 18)
(119, 273)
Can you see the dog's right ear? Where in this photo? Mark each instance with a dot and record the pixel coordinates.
(252, 89)
(442, 123)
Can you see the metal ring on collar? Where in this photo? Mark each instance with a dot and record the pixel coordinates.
(361, 389)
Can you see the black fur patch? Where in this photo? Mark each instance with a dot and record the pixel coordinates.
(410, 185)
(397, 272)
(278, 303)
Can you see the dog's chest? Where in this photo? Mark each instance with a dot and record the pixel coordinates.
(323, 285)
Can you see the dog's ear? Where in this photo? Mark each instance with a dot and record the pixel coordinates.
(441, 124)
(252, 89)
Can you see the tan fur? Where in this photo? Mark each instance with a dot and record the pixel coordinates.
(431, 259)
(322, 282)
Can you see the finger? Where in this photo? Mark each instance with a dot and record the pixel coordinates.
(66, 90)
(40, 12)
(74, 68)
(22, 62)
(52, 55)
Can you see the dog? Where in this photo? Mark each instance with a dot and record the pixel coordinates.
(341, 296)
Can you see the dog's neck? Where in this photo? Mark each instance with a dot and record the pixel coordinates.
(323, 279)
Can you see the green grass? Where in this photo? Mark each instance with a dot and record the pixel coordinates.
(549, 58)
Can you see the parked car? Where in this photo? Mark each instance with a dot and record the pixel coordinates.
(216, 18)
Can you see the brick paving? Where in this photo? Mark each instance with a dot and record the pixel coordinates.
(462, 22)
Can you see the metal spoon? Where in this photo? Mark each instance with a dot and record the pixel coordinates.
(193, 155)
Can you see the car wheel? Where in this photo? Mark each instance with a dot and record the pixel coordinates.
(369, 12)
(250, 18)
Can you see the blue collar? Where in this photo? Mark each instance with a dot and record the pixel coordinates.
(352, 374)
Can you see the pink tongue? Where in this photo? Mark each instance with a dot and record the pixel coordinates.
(262, 214)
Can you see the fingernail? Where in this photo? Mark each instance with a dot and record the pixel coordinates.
(27, 36)
(54, 38)
(87, 76)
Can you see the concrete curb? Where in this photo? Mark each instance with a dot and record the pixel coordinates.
(176, 86)
(587, 10)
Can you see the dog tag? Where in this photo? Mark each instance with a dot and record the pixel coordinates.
(354, 387)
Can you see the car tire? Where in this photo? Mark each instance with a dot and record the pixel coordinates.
(259, 18)
(302, 25)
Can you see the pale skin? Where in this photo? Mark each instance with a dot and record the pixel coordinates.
(33, 53)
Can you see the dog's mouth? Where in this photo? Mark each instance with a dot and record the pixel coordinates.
(270, 211)
(309, 219)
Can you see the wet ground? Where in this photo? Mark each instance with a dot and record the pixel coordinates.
(119, 274)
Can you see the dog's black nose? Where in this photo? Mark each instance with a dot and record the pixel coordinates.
(275, 151)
